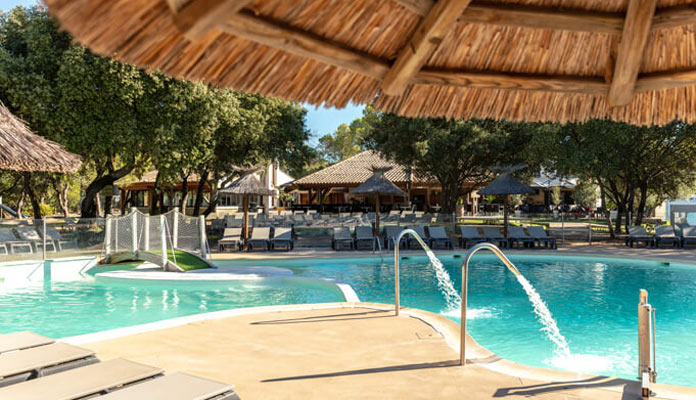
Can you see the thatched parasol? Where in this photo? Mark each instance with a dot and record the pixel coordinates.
(23, 150)
(247, 185)
(626, 60)
(505, 185)
(378, 185)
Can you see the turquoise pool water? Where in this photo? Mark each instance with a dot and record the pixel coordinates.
(594, 302)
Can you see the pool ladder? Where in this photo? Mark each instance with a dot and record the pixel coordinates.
(465, 272)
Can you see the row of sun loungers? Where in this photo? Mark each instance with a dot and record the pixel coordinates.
(471, 235)
(260, 237)
(34, 367)
(29, 240)
(664, 236)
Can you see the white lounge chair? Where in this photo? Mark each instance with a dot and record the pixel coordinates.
(259, 237)
(282, 237)
(231, 237)
(22, 340)
(32, 235)
(10, 243)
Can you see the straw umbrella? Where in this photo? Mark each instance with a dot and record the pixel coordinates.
(505, 185)
(23, 150)
(624, 60)
(378, 185)
(247, 185)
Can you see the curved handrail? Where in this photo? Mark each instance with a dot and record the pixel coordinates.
(396, 262)
(465, 273)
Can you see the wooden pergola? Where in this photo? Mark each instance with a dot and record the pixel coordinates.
(628, 60)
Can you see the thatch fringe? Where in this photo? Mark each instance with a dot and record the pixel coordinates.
(23, 150)
(143, 32)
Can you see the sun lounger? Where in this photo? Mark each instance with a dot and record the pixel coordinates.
(259, 237)
(413, 242)
(540, 235)
(664, 234)
(32, 236)
(469, 236)
(341, 235)
(688, 235)
(54, 236)
(232, 237)
(282, 237)
(177, 386)
(22, 340)
(11, 243)
(438, 235)
(390, 234)
(492, 234)
(517, 235)
(638, 234)
(82, 382)
(364, 234)
(23, 365)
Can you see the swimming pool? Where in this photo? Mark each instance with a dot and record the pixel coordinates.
(593, 300)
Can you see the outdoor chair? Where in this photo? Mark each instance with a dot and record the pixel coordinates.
(664, 234)
(420, 230)
(469, 236)
(516, 234)
(408, 216)
(27, 364)
(259, 237)
(282, 237)
(688, 235)
(492, 234)
(390, 234)
(54, 236)
(177, 386)
(438, 235)
(341, 235)
(364, 234)
(231, 237)
(540, 235)
(637, 235)
(9, 242)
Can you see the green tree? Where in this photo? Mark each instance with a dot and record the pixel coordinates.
(556, 195)
(456, 153)
(347, 140)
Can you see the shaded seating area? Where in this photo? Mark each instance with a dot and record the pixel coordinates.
(9, 244)
(33, 367)
(32, 236)
(638, 234)
(282, 237)
(665, 235)
(541, 235)
(390, 234)
(341, 236)
(516, 234)
(439, 236)
(492, 234)
(469, 236)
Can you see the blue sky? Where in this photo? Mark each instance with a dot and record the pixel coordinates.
(320, 121)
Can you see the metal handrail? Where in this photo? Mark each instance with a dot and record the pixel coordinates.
(465, 273)
(396, 262)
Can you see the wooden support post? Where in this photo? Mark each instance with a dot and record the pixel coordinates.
(199, 17)
(630, 54)
(245, 204)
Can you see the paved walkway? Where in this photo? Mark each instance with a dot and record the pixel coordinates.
(344, 351)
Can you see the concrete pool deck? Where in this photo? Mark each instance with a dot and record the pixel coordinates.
(353, 350)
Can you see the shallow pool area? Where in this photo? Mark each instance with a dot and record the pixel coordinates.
(593, 300)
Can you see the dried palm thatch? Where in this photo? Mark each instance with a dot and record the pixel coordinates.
(531, 60)
(23, 150)
(505, 184)
(378, 184)
(248, 184)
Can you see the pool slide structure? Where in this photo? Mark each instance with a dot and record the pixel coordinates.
(172, 241)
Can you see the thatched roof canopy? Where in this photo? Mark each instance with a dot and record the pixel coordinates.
(626, 60)
(248, 184)
(23, 150)
(378, 184)
(355, 170)
(505, 184)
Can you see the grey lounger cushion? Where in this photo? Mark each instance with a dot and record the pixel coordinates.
(81, 382)
(178, 386)
(22, 340)
(19, 366)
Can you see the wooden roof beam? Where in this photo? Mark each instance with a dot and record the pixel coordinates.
(428, 36)
(548, 18)
(199, 17)
(630, 54)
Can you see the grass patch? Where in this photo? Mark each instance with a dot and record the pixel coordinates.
(186, 261)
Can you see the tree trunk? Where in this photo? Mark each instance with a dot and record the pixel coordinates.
(448, 197)
(89, 205)
(184, 194)
(607, 213)
(107, 205)
(20, 203)
(29, 189)
(199, 193)
(98, 204)
(641, 205)
(63, 200)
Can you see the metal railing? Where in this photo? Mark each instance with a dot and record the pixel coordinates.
(397, 244)
(465, 273)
